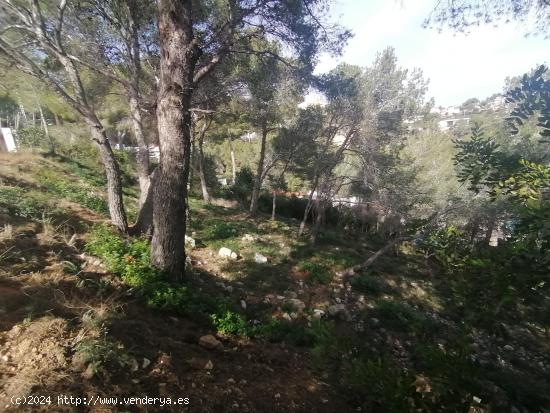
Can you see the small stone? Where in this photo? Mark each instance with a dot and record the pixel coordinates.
(231, 381)
(318, 314)
(209, 365)
(134, 366)
(508, 347)
(259, 258)
(287, 317)
(225, 252)
(234, 255)
(89, 373)
(278, 395)
(210, 342)
(298, 305)
(145, 363)
(243, 304)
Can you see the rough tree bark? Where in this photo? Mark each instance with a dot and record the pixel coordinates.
(178, 57)
(274, 206)
(233, 163)
(202, 173)
(259, 173)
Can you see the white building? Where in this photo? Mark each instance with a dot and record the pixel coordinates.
(446, 124)
(7, 143)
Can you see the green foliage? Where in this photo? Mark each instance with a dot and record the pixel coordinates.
(32, 137)
(242, 188)
(76, 193)
(128, 259)
(220, 229)
(102, 354)
(290, 332)
(403, 317)
(26, 204)
(230, 322)
(317, 273)
(370, 284)
(449, 247)
(478, 160)
(531, 98)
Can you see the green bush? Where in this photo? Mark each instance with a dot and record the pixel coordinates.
(17, 201)
(369, 284)
(128, 259)
(218, 229)
(32, 138)
(76, 193)
(402, 316)
(102, 354)
(230, 322)
(318, 273)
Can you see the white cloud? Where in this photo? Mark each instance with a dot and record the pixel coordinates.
(459, 66)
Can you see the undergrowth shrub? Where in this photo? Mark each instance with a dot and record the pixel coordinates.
(22, 203)
(370, 284)
(73, 192)
(317, 273)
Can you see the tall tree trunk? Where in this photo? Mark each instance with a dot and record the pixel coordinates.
(308, 205)
(259, 173)
(46, 130)
(274, 206)
(142, 155)
(202, 174)
(177, 64)
(112, 172)
(319, 212)
(233, 163)
(135, 104)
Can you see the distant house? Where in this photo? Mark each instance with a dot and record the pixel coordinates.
(496, 103)
(446, 124)
(250, 136)
(7, 143)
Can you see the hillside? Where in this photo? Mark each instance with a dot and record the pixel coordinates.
(82, 314)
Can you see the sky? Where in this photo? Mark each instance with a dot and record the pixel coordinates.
(459, 66)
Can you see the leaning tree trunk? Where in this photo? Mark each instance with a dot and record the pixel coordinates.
(308, 205)
(202, 173)
(177, 64)
(112, 172)
(259, 174)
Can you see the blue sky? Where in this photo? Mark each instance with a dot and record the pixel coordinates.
(459, 66)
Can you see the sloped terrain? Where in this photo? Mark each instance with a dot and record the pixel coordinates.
(288, 334)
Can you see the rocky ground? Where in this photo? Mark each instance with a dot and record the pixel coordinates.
(69, 327)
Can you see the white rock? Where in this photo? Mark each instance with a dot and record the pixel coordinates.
(317, 313)
(190, 241)
(243, 304)
(287, 317)
(259, 258)
(145, 363)
(227, 253)
(248, 237)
